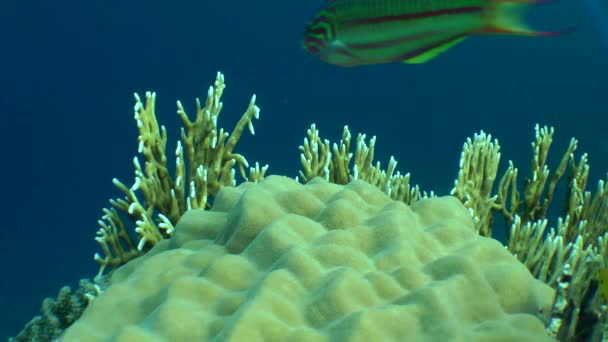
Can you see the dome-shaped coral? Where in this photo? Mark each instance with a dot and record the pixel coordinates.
(282, 261)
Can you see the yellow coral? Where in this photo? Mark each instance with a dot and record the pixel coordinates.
(206, 166)
(282, 261)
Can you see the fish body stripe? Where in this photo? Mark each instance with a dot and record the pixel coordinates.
(355, 9)
(418, 15)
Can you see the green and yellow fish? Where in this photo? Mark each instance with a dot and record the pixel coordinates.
(360, 32)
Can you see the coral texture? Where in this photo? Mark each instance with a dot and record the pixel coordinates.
(56, 314)
(278, 261)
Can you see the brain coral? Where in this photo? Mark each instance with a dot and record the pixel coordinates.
(282, 261)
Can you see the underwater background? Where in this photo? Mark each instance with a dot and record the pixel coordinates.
(69, 70)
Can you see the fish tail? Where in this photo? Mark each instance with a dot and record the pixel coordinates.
(506, 17)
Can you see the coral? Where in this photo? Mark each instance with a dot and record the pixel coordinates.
(474, 184)
(337, 165)
(206, 165)
(58, 314)
(567, 258)
(278, 261)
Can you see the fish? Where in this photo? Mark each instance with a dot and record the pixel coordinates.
(363, 32)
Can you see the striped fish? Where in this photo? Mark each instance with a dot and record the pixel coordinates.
(360, 32)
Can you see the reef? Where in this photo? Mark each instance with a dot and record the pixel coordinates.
(213, 248)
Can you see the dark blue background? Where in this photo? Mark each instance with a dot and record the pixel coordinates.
(68, 71)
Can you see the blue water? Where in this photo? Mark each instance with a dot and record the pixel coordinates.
(68, 71)
(598, 14)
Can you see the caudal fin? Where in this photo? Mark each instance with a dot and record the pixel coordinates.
(506, 17)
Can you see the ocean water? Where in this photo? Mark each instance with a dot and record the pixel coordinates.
(68, 71)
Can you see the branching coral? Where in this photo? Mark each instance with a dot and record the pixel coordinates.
(475, 181)
(205, 161)
(566, 258)
(334, 165)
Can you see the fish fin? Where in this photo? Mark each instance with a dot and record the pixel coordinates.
(505, 17)
(434, 52)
